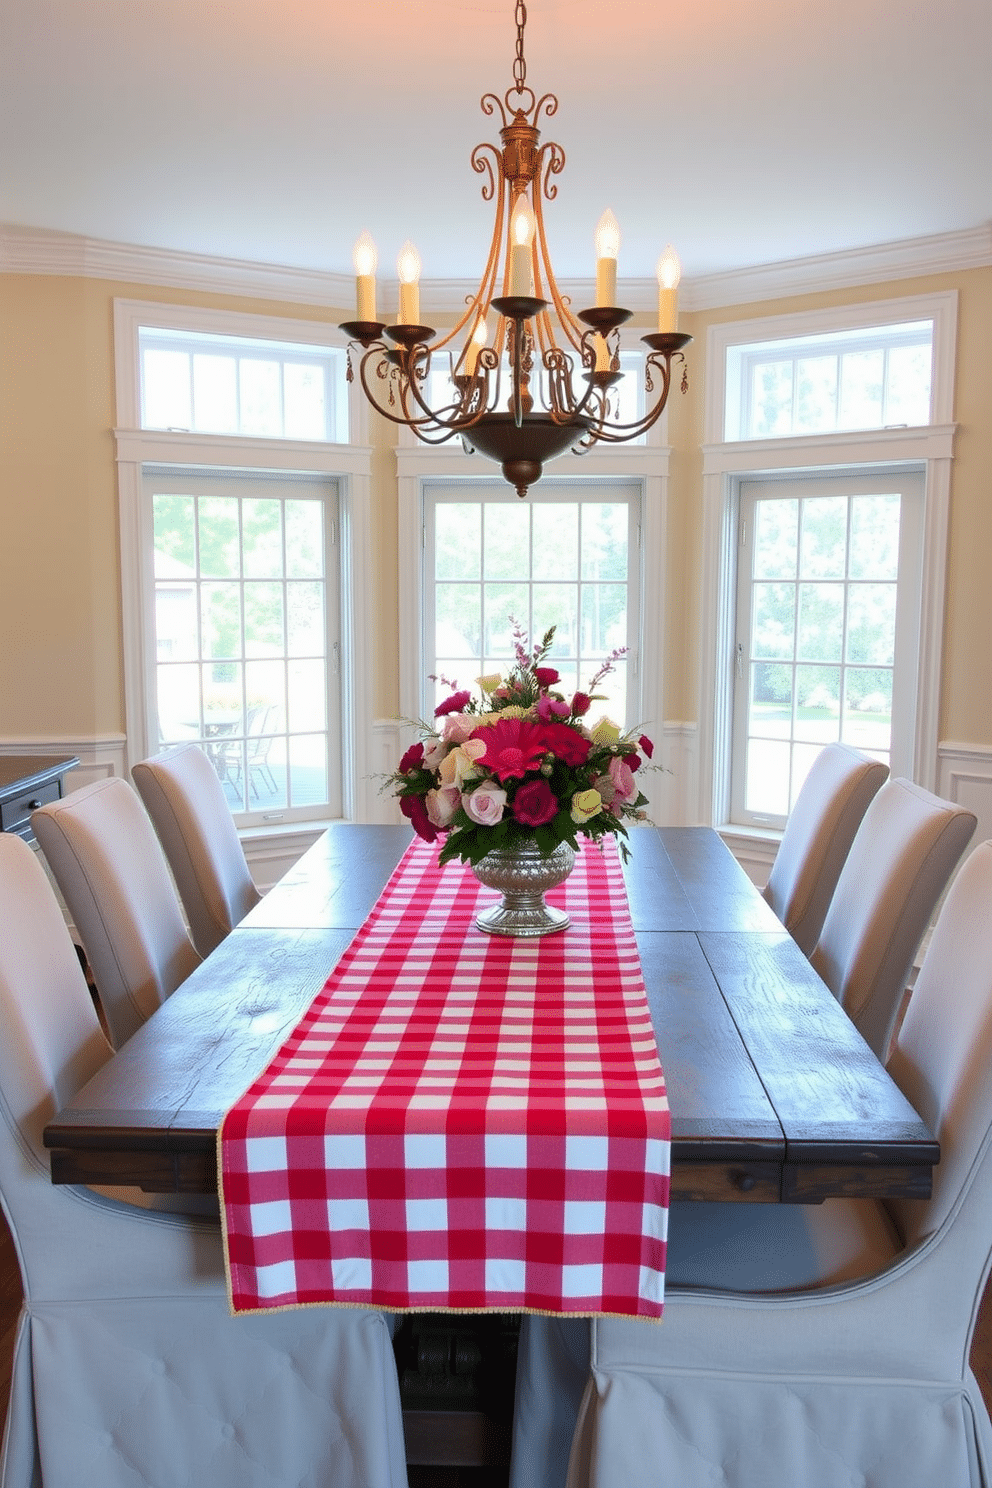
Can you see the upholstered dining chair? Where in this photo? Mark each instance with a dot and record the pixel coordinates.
(107, 862)
(185, 799)
(900, 863)
(817, 838)
(818, 1346)
(128, 1367)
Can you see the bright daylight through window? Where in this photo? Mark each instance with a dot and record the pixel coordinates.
(554, 560)
(219, 384)
(244, 659)
(825, 607)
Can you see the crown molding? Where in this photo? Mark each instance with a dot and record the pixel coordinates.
(38, 251)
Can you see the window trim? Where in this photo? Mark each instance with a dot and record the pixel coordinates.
(351, 468)
(905, 680)
(131, 315)
(942, 309)
(930, 445)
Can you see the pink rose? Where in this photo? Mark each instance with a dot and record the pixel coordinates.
(413, 807)
(546, 676)
(485, 805)
(623, 780)
(458, 727)
(534, 804)
(442, 804)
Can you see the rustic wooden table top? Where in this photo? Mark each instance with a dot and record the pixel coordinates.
(774, 1095)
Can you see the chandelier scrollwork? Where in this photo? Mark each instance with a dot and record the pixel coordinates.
(518, 336)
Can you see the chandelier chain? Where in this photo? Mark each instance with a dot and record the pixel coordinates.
(519, 63)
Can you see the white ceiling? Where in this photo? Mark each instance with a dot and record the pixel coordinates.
(275, 130)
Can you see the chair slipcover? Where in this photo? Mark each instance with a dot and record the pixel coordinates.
(817, 838)
(108, 864)
(129, 1369)
(900, 862)
(818, 1346)
(186, 802)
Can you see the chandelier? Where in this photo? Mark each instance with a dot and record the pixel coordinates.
(518, 335)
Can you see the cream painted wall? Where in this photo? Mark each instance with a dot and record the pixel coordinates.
(60, 658)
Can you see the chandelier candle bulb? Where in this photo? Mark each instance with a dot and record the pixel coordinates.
(476, 344)
(669, 274)
(603, 359)
(365, 257)
(522, 225)
(408, 271)
(607, 250)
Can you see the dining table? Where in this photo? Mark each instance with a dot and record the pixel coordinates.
(774, 1096)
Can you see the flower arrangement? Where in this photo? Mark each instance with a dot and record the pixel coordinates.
(519, 762)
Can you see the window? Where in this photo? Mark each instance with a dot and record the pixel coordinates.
(826, 480)
(223, 384)
(246, 557)
(872, 377)
(567, 557)
(827, 620)
(245, 634)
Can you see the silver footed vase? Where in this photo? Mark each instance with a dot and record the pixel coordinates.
(523, 875)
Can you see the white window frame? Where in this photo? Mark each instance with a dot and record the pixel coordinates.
(840, 484)
(349, 464)
(647, 465)
(930, 447)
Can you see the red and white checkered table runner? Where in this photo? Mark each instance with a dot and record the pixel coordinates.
(460, 1120)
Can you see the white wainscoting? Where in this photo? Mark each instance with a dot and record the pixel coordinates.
(99, 756)
(964, 775)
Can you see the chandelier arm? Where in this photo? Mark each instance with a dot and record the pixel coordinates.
(614, 433)
(566, 319)
(381, 352)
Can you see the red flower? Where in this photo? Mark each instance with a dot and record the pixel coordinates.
(565, 743)
(415, 808)
(632, 761)
(534, 804)
(546, 676)
(646, 745)
(513, 746)
(581, 703)
(412, 759)
(453, 704)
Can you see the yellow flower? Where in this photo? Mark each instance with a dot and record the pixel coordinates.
(458, 767)
(605, 732)
(586, 804)
(490, 681)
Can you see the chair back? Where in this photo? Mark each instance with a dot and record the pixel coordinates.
(942, 1055)
(107, 862)
(185, 800)
(817, 838)
(52, 1041)
(900, 862)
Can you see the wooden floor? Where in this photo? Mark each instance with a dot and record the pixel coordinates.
(10, 1302)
